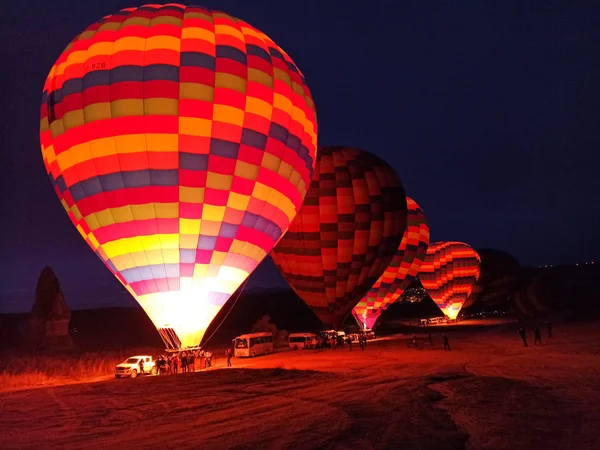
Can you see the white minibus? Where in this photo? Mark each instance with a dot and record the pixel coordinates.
(253, 344)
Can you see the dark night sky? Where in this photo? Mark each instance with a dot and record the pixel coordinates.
(488, 111)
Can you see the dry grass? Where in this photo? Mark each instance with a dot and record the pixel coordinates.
(29, 370)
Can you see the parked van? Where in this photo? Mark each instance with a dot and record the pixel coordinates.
(302, 340)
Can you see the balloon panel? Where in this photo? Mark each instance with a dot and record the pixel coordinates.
(346, 233)
(402, 270)
(449, 273)
(181, 143)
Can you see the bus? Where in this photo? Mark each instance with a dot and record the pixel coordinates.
(253, 344)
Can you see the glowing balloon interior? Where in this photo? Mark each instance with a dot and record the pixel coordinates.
(181, 142)
(400, 273)
(345, 234)
(449, 273)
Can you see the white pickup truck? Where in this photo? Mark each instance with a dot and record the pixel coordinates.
(136, 365)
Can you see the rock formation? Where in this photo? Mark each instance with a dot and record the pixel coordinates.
(48, 324)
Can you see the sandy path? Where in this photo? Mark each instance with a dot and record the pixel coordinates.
(487, 393)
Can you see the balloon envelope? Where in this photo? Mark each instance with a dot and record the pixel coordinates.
(498, 279)
(449, 274)
(181, 143)
(346, 233)
(402, 270)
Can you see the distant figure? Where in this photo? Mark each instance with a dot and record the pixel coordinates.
(184, 362)
(350, 343)
(192, 362)
(430, 339)
(175, 364)
(549, 327)
(365, 340)
(537, 336)
(523, 336)
(141, 366)
(446, 343)
(361, 342)
(228, 354)
(209, 358)
(414, 341)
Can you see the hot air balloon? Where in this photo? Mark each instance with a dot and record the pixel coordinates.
(181, 142)
(345, 234)
(449, 274)
(400, 273)
(555, 289)
(498, 279)
(535, 297)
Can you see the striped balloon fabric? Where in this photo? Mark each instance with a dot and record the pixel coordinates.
(402, 270)
(449, 273)
(345, 234)
(181, 142)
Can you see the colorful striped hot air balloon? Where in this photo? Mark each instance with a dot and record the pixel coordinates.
(402, 270)
(345, 234)
(181, 142)
(449, 274)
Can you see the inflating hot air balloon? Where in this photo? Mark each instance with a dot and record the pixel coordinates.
(345, 234)
(449, 274)
(498, 279)
(402, 270)
(534, 297)
(557, 289)
(181, 142)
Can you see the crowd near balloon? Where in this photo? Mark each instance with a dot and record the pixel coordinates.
(182, 143)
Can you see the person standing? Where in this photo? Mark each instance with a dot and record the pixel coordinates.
(430, 339)
(175, 364)
(549, 327)
(184, 362)
(446, 343)
(537, 336)
(141, 364)
(523, 336)
(192, 361)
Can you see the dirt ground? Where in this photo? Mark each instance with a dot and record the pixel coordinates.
(489, 392)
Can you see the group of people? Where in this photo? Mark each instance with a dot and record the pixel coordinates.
(537, 336)
(183, 362)
(339, 341)
(414, 343)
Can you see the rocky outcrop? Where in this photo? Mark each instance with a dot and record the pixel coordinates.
(48, 324)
